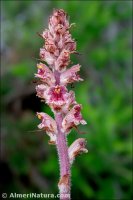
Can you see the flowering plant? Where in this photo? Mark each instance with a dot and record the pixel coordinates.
(56, 52)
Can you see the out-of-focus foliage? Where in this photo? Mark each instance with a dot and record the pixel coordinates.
(103, 34)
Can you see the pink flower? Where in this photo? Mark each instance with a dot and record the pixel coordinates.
(60, 29)
(42, 90)
(71, 46)
(47, 35)
(69, 102)
(58, 17)
(57, 97)
(76, 148)
(51, 47)
(47, 56)
(67, 42)
(49, 125)
(58, 22)
(45, 74)
(50, 36)
(63, 60)
(70, 75)
(72, 119)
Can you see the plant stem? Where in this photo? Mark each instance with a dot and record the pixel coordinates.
(64, 183)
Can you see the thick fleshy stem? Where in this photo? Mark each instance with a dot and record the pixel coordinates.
(62, 148)
(64, 183)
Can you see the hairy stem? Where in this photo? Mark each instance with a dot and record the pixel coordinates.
(64, 183)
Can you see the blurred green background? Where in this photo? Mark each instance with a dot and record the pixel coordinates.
(103, 34)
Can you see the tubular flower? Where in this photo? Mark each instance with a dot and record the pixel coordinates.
(67, 42)
(69, 102)
(49, 125)
(54, 77)
(45, 74)
(63, 60)
(47, 56)
(72, 119)
(70, 75)
(42, 91)
(57, 97)
(51, 47)
(76, 148)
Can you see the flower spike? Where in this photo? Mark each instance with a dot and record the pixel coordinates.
(54, 77)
